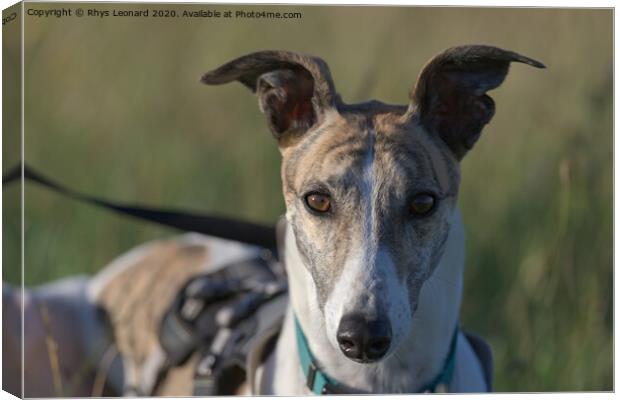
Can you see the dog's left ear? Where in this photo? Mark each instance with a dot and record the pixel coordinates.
(294, 90)
(450, 94)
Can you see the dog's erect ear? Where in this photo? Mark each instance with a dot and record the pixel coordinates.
(294, 90)
(450, 95)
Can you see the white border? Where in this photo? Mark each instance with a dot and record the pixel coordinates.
(478, 3)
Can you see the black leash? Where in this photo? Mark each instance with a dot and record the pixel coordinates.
(226, 228)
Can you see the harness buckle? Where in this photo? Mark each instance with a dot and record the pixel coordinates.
(206, 366)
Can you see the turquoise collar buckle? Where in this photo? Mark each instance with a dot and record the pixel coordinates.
(316, 380)
(324, 388)
(320, 383)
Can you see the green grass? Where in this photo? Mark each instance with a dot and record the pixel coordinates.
(114, 108)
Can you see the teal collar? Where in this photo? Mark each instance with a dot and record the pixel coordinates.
(320, 383)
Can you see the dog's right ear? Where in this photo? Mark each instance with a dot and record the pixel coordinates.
(294, 90)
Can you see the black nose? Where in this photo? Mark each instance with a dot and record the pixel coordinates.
(362, 340)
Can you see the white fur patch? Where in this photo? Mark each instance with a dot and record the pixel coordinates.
(369, 287)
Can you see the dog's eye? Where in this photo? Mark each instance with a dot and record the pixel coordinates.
(422, 204)
(318, 202)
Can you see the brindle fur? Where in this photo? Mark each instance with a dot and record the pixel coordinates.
(413, 149)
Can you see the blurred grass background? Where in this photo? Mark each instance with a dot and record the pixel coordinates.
(114, 108)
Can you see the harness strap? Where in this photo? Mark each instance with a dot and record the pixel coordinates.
(269, 318)
(226, 228)
(485, 356)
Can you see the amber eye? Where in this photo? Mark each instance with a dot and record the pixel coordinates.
(422, 204)
(318, 202)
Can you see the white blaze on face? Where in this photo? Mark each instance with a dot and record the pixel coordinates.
(369, 283)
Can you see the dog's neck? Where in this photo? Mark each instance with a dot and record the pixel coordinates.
(417, 361)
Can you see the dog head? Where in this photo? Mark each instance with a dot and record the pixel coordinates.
(370, 188)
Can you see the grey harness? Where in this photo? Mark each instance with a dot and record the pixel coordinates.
(230, 319)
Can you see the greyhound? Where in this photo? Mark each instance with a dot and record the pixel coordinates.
(374, 243)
